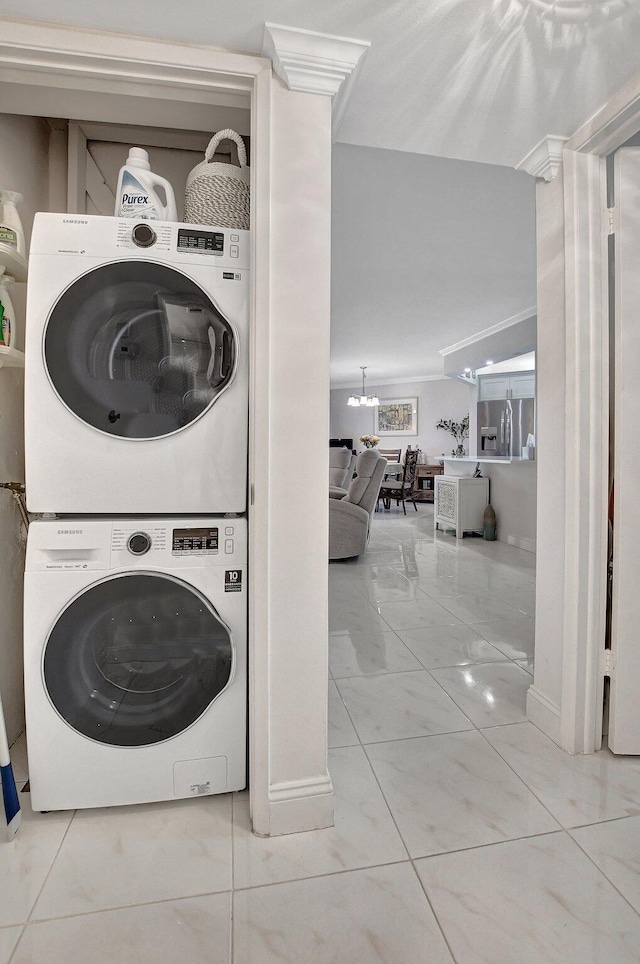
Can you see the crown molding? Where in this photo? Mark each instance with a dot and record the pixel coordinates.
(472, 339)
(545, 158)
(405, 380)
(315, 63)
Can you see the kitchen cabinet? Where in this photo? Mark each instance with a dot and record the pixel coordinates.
(514, 385)
(460, 504)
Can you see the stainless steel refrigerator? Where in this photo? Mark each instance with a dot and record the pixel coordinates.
(504, 426)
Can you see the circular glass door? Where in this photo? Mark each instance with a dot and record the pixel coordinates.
(137, 350)
(136, 660)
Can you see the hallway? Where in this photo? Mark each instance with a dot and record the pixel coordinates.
(462, 833)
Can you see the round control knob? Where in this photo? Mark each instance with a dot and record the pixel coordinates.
(139, 543)
(143, 235)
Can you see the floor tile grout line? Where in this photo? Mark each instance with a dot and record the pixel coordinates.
(323, 875)
(23, 929)
(433, 911)
(515, 772)
(598, 823)
(119, 907)
(490, 843)
(602, 872)
(428, 669)
(51, 865)
(346, 708)
(516, 611)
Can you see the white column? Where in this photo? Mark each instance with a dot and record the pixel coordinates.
(290, 482)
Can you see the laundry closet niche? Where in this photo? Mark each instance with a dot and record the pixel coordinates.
(71, 165)
(97, 151)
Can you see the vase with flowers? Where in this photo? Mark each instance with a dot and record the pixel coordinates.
(369, 441)
(459, 430)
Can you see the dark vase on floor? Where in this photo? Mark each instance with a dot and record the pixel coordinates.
(489, 521)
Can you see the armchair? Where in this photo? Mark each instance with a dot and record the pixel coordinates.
(341, 466)
(350, 517)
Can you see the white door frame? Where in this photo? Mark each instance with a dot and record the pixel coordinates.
(45, 56)
(587, 414)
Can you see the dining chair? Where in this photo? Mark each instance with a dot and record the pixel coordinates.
(391, 455)
(402, 489)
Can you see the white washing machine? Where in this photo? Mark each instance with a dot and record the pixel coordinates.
(135, 659)
(136, 381)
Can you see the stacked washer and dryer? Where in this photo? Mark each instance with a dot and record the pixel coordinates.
(136, 432)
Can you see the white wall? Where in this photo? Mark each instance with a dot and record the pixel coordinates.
(24, 168)
(513, 496)
(427, 251)
(443, 398)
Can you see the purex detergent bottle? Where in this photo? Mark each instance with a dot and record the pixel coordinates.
(137, 195)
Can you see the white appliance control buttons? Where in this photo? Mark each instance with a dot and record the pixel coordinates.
(228, 546)
(234, 237)
(234, 250)
(143, 235)
(228, 531)
(139, 543)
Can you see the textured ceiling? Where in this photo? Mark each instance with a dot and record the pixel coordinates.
(425, 252)
(481, 80)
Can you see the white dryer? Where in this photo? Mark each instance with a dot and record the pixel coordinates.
(135, 659)
(136, 390)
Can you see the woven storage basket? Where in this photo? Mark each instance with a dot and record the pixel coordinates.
(219, 193)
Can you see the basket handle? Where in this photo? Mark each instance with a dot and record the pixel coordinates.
(227, 135)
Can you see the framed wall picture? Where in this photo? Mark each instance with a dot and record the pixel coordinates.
(397, 416)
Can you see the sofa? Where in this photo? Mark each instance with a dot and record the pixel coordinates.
(350, 517)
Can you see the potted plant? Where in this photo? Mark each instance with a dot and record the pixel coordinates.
(459, 430)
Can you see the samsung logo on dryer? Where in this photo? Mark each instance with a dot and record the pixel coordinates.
(70, 532)
(74, 221)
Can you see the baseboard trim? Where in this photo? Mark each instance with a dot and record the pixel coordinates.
(543, 713)
(299, 805)
(527, 544)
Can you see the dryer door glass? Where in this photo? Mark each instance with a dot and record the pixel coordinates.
(136, 659)
(138, 350)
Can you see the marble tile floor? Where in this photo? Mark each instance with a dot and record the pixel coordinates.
(462, 833)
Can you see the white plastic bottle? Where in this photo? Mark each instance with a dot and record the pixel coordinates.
(11, 230)
(7, 313)
(137, 196)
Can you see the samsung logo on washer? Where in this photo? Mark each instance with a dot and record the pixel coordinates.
(74, 221)
(69, 532)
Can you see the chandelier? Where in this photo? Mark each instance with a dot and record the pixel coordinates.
(578, 11)
(369, 400)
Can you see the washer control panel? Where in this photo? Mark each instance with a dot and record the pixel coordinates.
(206, 242)
(143, 235)
(150, 542)
(195, 541)
(139, 543)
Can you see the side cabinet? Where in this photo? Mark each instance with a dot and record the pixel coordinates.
(424, 485)
(460, 504)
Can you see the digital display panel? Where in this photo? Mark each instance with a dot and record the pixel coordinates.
(194, 540)
(207, 242)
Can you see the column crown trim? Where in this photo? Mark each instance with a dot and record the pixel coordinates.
(315, 63)
(545, 159)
